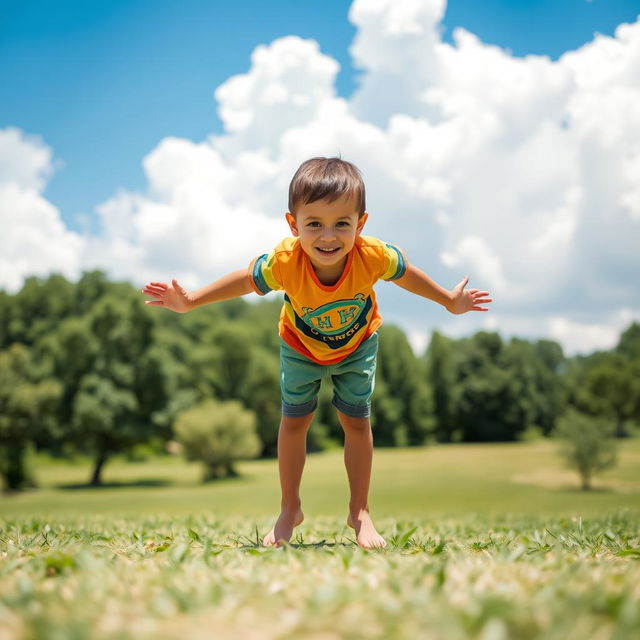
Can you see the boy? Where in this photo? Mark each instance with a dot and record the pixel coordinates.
(327, 325)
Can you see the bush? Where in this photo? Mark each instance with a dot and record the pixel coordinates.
(217, 433)
(588, 444)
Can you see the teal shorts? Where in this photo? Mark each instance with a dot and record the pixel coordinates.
(353, 380)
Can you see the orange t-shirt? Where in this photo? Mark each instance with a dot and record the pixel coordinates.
(327, 323)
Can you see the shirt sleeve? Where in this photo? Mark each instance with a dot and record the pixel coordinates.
(264, 274)
(395, 262)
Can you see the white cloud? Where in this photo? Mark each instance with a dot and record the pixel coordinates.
(287, 85)
(193, 224)
(25, 160)
(34, 240)
(585, 337)
(474, 254)
(395, 44)
(522, 172)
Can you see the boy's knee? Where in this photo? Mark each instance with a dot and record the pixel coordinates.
(294, 423)
(354, 422)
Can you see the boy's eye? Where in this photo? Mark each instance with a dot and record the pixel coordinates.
(315, 224)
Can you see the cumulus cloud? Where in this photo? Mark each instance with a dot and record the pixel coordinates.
(522, 172)
(193, 223)
(473, 253)
(34, 240)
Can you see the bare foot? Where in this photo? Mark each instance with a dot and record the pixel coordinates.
(366, 534)
(289, 518)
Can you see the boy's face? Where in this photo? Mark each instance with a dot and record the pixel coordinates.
(327, 230)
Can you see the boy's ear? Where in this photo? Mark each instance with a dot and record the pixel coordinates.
(361, 222)
(293, 225)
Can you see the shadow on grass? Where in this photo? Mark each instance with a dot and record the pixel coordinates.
(323, 544)
(115, 485)
(154, 482)
(585, 492)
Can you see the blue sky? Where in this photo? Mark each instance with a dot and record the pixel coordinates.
(485, 149)
(103, 82)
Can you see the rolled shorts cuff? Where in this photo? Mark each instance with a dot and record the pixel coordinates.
(352, 410)
(299, 410)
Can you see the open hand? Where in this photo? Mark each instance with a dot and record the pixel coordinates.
(171, 296)
(469, 300)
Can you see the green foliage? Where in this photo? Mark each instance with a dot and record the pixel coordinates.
(325, 431)
(26, 404)
(402, 411)
(441, 373)
(37, 308)
(629, 343)
(218, 433)
(485, 409)
(121, 372)
(588, 444)
(503, 389)
(607, 384)
(260, 392)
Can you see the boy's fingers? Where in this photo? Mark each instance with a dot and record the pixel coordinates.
(153, 292)
(178, 287)
(154, 302)
(159, 284)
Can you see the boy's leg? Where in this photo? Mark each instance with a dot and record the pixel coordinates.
(358, 456)
(299, 385)
(354, 382)
(292, 448)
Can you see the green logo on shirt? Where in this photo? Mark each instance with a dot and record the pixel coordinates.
(335, 317)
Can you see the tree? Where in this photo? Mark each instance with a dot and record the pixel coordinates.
(550, 383)
(505, 388)
(109, 404)
(607, 384)
(229, 361)
(487, 408)
(26, 406)
(261, 394)
(102, 414)
(38, 307)
(441, 378)
(629, 343)
(588, 444)
(217, 433)
(112, 382)
(402, 412)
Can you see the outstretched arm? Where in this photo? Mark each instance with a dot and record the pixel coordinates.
(456, 301)
(173, 296)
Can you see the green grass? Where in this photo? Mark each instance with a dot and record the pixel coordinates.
(485, 542)
(488, 479)
(196, 577)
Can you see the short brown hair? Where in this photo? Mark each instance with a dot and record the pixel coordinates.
(330, 178)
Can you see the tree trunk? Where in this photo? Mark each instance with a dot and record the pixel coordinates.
(621, 432)
(96, 479)
(15, 475)
(586, 482)
(219, 471)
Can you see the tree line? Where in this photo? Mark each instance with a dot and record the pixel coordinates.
(87, 368)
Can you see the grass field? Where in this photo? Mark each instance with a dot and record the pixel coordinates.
(489, 542)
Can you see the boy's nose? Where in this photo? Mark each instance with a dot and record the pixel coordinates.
(328, 233)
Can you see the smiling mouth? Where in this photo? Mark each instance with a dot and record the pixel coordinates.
(328, 252)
